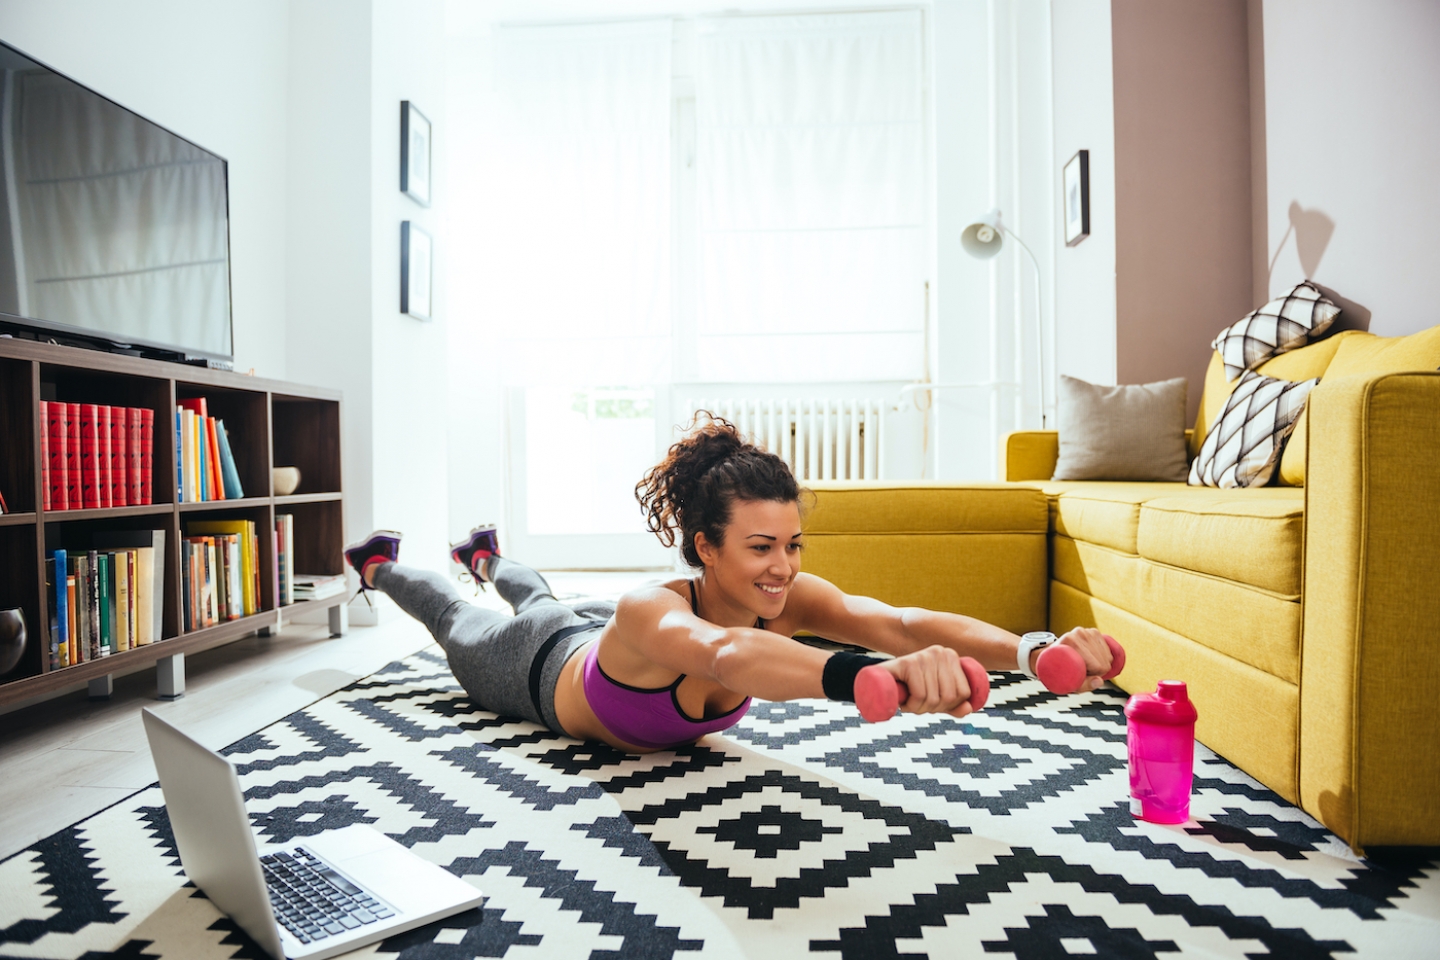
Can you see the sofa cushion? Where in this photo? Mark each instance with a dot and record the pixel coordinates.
(1259, 542)
(1285, 323)
(1307, 362)
(1362, 353)
(1126, 432)
(1253, 626)
(920, 507)
(1109, 513)
(1243, 449)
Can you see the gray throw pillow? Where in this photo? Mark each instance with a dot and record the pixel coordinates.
(1129, 432)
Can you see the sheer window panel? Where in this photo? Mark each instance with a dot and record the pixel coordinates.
(811, 194)
(581, 237)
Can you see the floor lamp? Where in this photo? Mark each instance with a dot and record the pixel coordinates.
(982, 240)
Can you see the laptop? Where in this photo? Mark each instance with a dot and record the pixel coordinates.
(312, 898)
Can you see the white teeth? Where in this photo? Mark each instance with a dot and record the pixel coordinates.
(774, 591)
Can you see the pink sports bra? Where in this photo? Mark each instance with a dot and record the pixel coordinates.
(649, 717)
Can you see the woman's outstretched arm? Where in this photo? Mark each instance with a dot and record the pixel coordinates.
(659, 637)
(822, 608)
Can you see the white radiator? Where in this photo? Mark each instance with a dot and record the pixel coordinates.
(819, 439)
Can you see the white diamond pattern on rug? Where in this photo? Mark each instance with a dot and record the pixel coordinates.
(801, 831)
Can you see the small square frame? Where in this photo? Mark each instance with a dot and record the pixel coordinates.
(414, 153)
(416, 258)
(1075, 198)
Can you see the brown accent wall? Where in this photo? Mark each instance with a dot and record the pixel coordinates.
(1183, 221)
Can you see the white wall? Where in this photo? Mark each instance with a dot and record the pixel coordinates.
(216, 74)
(1352, 103)
(476, 399)
(351, 64)
(409, 401)
(328, 227)
(1084, 105)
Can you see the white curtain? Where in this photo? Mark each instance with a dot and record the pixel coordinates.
(811, 172)
(122, 225)
(581, 239)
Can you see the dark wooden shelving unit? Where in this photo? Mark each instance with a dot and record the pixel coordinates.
(269, 423)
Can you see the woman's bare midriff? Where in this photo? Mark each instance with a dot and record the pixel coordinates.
(572, 709)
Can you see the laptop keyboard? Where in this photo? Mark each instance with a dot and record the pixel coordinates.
(314, 902)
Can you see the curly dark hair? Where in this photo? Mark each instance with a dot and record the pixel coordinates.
(693, 489)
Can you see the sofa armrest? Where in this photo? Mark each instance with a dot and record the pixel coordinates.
(1030, 454)
(1370, 661)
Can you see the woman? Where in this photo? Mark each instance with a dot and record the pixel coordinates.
(674, 661)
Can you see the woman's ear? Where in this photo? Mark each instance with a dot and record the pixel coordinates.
(704, 549)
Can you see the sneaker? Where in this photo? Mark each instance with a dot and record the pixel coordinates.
(477, 547)
(379, 546)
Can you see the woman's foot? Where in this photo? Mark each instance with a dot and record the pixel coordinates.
(382, 546)
(475, 551)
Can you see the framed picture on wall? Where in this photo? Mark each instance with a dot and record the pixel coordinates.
(416, 251)
(414, 154)
(1077, 198)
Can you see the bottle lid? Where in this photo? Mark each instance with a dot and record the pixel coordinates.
(1169, 704)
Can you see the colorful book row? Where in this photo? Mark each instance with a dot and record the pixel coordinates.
(204, 465)
(107, 599)
(93, 455)
(220, 572)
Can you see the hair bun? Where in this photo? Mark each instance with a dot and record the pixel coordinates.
(703, 473)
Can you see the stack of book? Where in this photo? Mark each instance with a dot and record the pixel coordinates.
(219, 572)
(285, 559)
(315, 586)
(108, 599)
(204, 465)
(93, 455)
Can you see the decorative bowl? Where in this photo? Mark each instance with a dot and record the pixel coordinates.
(286, 480)
(12, 638)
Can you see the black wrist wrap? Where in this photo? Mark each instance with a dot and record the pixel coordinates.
(838, 677)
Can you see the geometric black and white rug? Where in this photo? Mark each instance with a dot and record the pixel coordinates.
(802, 831)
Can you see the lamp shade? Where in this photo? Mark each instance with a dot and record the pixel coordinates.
(983, 238)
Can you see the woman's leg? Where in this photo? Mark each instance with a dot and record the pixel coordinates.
(490, 654)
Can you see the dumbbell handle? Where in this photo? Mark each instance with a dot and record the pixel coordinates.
(879, 693)
(1062, 669)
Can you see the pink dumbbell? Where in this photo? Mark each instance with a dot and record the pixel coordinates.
(1062, 669)
(879, 694)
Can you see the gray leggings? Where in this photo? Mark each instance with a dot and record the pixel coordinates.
(505, 664)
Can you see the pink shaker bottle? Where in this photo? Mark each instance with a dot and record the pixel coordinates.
(1161, 736)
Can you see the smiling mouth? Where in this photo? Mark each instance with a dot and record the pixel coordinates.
(771, 590)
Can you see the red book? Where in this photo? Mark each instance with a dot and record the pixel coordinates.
(45, 500)
(195, 405)
(119, 456)
(72, 456)
(102, 454)
(212, 447)
(55, 431)
(89, 463)
(147, 443)
(132, 457)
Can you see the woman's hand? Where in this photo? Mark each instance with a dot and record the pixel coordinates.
(935, 681)
(1090, 644)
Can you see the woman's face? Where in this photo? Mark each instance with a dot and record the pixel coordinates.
(760, 557)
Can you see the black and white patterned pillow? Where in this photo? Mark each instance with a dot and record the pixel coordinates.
(1285, 323)
(1243, 448)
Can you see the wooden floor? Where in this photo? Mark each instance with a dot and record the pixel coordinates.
(70, 757)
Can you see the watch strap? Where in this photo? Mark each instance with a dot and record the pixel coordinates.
(1029, 643)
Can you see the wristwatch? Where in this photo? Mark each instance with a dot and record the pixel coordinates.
(1029, 643)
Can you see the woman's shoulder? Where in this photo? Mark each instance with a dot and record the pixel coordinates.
(661, 591)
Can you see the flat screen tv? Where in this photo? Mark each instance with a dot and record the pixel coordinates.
(113, 230)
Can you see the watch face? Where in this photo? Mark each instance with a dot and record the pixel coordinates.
(1039, 636)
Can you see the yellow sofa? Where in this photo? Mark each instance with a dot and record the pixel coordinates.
(1303, 616)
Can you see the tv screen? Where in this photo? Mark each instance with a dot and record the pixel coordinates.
(111, 227)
